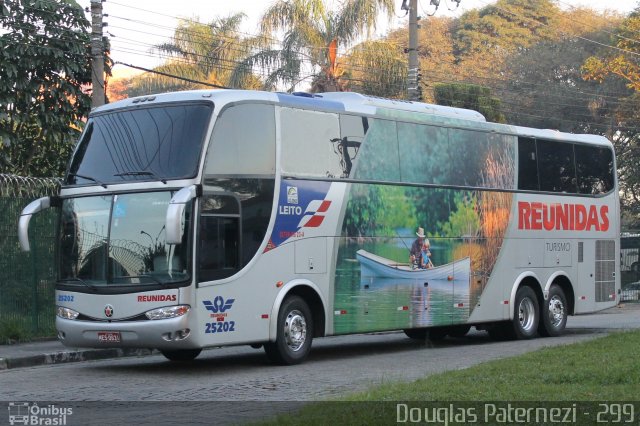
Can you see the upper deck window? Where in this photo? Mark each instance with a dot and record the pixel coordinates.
(141, 144)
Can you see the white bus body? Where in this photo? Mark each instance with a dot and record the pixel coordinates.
(209, 218)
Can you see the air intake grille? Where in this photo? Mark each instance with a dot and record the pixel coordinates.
(605, 270)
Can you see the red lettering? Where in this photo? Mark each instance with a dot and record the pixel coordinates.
(604, 211)
(158, 298)
(593, 219)
(562, 217)
(524, 215)
(581, 217)
(549, 216)
(536, 216)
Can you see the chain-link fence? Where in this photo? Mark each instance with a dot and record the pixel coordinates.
(26, 279)
(630, 266)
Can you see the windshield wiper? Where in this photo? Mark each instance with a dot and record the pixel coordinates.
(88, 178)
(142, 173)
(79, 280)
(151, 277)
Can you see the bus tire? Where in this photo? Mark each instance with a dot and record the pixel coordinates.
(553, 313)
(181, 355)
(416, 333)
(459, 330)
(295, 333)
(434, 334)
(527, 313)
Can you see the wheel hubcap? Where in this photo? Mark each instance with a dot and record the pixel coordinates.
(295, 330)
(556, 311)
(526, 314)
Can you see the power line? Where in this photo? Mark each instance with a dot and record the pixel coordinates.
(204, 83)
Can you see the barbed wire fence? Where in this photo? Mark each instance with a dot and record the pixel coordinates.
(26, 279)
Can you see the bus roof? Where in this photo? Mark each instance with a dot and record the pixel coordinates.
(351, 102)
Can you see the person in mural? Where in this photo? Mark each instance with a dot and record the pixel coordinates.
(415, 253)
(425, 255)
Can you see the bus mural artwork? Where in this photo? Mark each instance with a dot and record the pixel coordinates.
(461, 225)
(208, 218)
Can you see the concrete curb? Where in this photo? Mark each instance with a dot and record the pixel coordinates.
(71, 356)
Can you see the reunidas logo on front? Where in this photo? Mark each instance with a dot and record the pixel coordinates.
(24, 413)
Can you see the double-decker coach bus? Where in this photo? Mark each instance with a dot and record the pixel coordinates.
(208, 218)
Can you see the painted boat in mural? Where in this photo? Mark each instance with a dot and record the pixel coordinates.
(372, 265)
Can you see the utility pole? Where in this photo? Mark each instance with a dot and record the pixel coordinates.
(97, 55)
(412, 80)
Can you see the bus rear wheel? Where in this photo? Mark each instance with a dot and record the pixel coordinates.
(527, 313)
(295, 333)
(554, 313)
(181, 354)
(525, 318)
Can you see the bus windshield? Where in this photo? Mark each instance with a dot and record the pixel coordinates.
(147, 143)
(116, 240)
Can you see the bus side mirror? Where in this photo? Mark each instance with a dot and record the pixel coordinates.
(175, 212)
(23, 223)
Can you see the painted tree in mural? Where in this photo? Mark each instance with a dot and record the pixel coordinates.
(313, 33)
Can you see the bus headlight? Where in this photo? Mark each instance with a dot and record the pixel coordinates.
(167, 312)
(67, 313)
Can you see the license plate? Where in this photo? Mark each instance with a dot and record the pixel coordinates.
(109, 336)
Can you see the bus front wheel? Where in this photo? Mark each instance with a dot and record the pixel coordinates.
(554, 313)
(295, 333)
(181, 354)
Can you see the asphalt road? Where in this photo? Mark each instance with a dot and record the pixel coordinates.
(336, 366)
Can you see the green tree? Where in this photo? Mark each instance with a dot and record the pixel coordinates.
(485, 39)
(505, 26)
(625, 62)
(546, 88)
(312, 36)
(624, 66)
(44, 69)
(390, 65)
(202, 53)
(470, 96)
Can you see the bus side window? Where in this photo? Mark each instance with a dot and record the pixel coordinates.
(556, 167)
(527, 164)
(219, 238)
(594, 169)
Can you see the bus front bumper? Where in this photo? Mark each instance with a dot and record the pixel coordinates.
(173, 333)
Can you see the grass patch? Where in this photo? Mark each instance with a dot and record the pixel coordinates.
(603, 369)
(13, 331)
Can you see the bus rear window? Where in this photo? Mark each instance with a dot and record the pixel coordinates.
(142, 144)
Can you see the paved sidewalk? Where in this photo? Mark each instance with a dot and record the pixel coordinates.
(53, 352)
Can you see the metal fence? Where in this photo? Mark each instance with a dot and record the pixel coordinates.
(26, 279)
(630, 266)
